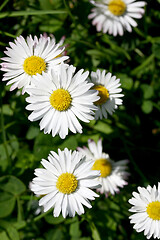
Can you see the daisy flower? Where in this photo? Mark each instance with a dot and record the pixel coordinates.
(109, 92)
(146, 208)
(115, 16)
(26, 58)
(58, 100)
(65, 183)
(113, 174)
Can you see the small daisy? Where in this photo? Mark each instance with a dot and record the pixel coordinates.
(65, 183)
(113, 174)
(115, 16)
(146, 205)
(58, 100)
(109, 92)
(26, 58)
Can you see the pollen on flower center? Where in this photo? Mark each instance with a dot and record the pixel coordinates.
(117, 7)
(33, 65)
(104, 166)
(67, 183)
(153, 210)
(60, 99)
(102, 93)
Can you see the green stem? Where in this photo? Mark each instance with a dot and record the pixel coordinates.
(35, 12)
(3, 4)
(19, 206)
(4, 133)
(94, 230)
(41, 215)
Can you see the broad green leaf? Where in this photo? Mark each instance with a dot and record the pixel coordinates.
(3, 236)
(7, 110)
(32, 132)
(12, 232)
(55, 234)
(3, 155)
(147, 91)
(95, 233)
(126, 82)
(51, 26)
(103, 127)
(74, 230)
(12, 185)
(147, 106)
(70, 143)
(54, 220)
(7, 203)
(14, 142)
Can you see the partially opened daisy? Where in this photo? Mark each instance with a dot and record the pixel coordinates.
(115, 16)
(109, 92)
(113, 174)
(65, 183)
(26, 58)
(60, 100)
(146, 208)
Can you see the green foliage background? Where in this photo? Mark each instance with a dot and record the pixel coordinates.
(131, 133)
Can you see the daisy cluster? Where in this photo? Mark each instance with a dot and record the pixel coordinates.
(60, 97)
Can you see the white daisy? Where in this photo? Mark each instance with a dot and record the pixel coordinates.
(109, 92)
(113, 174)
(26, 58)
(66, 183)
(58, 100)
(115, 16)
(146, 205)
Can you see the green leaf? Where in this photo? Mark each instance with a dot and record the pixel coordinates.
(12, 232)
(95, 233)
(147, 106)
(147, 91)
(74, 230)
(20, 224)
(32, 132)
(70, 143)
(126, 82)
(7, 203)
(55, 234)
(156, 50)
(54, 220)
(51, 26)
(3, 156)
(6, 109)
(3, 236)
(12, 185)
(103, 127)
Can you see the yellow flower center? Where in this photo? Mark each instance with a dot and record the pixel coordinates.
(60, 99)
(104, 166)
(67, 183)
(117, 7)
(33, 65)
(102, 93)
(153, 210)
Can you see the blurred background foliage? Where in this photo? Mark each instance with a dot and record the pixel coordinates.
(131, 133)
